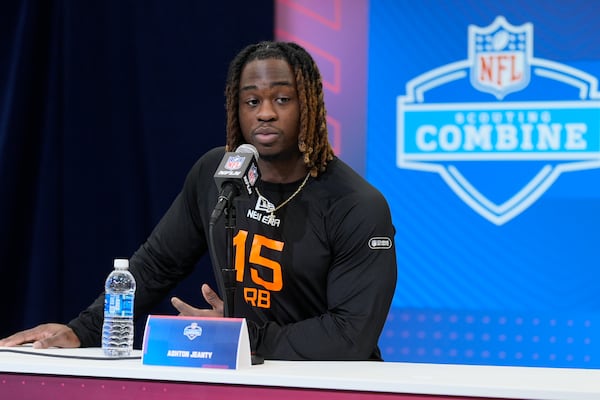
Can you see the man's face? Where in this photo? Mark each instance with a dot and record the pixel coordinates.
(269, 112)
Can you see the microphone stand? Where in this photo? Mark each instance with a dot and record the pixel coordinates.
(228, 272)
(227, 279)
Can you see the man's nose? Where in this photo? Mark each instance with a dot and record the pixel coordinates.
(266, 112)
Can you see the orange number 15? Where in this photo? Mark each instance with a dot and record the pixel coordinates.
(258, 242)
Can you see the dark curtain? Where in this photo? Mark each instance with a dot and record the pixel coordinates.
(104, 107)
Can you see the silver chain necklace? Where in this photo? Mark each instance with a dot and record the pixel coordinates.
(289, 198)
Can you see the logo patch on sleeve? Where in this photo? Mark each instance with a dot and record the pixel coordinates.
(380, 243)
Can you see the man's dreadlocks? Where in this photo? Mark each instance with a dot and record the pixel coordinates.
(313, 139)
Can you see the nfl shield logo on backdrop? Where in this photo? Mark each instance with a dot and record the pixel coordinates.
(499, 56)
(500, 156)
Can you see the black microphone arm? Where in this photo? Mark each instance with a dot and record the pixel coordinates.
(228, 192)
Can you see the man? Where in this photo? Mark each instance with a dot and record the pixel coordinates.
(314, 256)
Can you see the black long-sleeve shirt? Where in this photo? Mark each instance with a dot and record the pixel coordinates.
(314, 281)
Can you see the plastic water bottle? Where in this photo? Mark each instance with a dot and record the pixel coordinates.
(117, 330)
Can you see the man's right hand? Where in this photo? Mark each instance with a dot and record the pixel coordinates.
(211, 297)
(44, 336)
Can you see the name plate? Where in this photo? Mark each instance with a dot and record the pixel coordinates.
(196, 342)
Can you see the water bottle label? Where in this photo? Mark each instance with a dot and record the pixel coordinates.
(118, 305)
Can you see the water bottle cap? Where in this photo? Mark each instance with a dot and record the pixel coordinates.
(121, 263)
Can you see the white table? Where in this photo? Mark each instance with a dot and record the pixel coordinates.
(48, 371)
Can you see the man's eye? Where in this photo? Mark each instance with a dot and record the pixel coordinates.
(252, 102)
(283, 100)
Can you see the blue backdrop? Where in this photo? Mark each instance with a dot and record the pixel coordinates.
(483, 132)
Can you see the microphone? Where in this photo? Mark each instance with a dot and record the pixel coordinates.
(237, 173)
